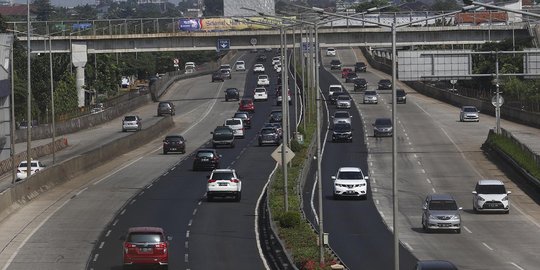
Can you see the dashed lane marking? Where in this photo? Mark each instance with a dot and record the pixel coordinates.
(101, 245)
(517, 266)
(467, 229)
(488, 247)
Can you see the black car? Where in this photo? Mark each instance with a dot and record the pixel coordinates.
(245, 116)
(166, 107)
(360, 67)
(232, 93)
(261, 58)
(383, 127)
(223, 135)
(350, 77)
(206, 159)
(275, 117)
(218, 76)
(269, 135)
(401, 96)
(334, 96)
(335, 64)
(384, 84)
(174, 143)
(342, 131)
(360, 84)
(277, 126)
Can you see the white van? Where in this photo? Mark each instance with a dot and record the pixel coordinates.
(237, 125)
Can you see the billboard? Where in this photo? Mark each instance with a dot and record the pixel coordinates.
(189, 24)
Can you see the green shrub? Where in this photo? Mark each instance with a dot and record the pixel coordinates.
(290, 220)
(296, 146)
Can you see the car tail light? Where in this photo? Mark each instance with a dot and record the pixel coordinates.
(129, 247)
(211, 181)
(234, 180)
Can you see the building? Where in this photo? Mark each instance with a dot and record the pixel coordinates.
(234, 7)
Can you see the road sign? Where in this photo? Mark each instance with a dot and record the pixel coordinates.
(223, 44)
(176, 61)
(276, 155)
(494, 101)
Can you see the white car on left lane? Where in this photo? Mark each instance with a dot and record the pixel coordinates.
(350, 182)
(35, 166)
(260, 93)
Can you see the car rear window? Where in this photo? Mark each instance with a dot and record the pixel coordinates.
(130, 118)
(164, 105)
(232, 122)
(341, 115)
(268, 131)
(174, 138)
(205, 154)
(260, 90)
(349, 175)
(245, 102)
(150, 238)
(491, 189)
(223, 131)
(370, 93)
(442, 205)
(240, 115)
(343, 98)
(263, 77)
(222, 176)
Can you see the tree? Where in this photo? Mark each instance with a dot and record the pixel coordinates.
(65, 95)
(445, 5)
(213, 8)
(43, 9)
(364, 6)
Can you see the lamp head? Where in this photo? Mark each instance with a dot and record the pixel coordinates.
(468, 2)
(317, 9)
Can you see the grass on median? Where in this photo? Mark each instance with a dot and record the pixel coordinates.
(524, 159)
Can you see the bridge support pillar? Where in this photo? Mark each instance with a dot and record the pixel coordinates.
(79, 59)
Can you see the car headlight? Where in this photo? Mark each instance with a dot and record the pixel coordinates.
(432, 217)
(505, 198)
(480, 198)
(455, 217)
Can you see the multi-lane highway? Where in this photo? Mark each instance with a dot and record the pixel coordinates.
(436, 154)
(80, 224)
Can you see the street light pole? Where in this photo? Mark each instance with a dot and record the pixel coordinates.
(319, 146)
(12, 112)
(394, 150)
(29, 95)
(52, 102)
(283, 120)
(497, 97)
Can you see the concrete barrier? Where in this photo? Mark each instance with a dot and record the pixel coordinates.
(37, 152)
(59, 173)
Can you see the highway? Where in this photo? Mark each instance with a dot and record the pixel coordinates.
(436, 154)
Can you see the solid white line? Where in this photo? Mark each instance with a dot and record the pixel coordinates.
(101, 245)
(312, 201)
(257, 236)
(96, 257)
(80, 191)
(517, 266)
(116, 171)
(207, 111)
(467, 229)
(408, 246)
(486, 245)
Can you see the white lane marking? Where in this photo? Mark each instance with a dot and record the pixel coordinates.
(207, 111)
(133, 201)
(10, 260)
(194, 211)
(116, 171)
(108, 233)
(377, 202)
(486, 245)
(429, 181)
(373, 180)
(433, 189)
(80, 191)
(415, 156)
(186, 244)
(123, 211)
(190, 222)
(142, 192)
(95, 257)
(419, 163)
(423, 171)
(256, 227)
(149, 186)
(517, 266)
(375, 189)
(187, 234)
(312, 201)
(186, 257)
(115, 222)
(381, 213)
(165, 174)
(467, 229)
(101, 245)
(408, 246)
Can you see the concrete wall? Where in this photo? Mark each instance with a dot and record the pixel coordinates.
(39, 151)
(59, 173)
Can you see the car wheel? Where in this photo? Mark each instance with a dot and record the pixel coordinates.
(260, 144)
(164, 152)
(424, 227)
(194, 168)
(209, 198)
(336, 197)
(458, 230)
(226, 99)
(183, 151)
(238, 196)
(507, 212)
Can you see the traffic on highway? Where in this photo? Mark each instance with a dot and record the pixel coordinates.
(189, 199)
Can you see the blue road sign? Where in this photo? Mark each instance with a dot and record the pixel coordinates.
(223, 44)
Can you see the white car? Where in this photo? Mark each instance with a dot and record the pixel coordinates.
(491, 195)
(237, 125)
(334, 88)
(262, 80)
(223, 183)
(35, 166)
(469, 113)
(258, 68)
(189, 65)
(350, 182)
(275, 60)
(342, 117)
(240, 65)
(277, 67)
(371, 96)
(131, 122)
(330, 52)
(343, 102)
(260, 93)
(225, 67)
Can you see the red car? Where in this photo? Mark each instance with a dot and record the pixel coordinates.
(247, 105)
(345, 72)
(146, 246)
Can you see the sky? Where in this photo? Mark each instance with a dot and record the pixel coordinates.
(74, 3)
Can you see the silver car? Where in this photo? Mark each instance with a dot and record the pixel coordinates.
(131, 122)
(343, 102)
(469, 113)
(371, 96)
(441, 212)
(341, 117)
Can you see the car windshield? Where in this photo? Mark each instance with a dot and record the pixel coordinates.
(349, 175)
(151, 238)
(443, 205)
(490, 189)
(268, 131)
(240, 115)
(222, 175)
(245, 102)
(360, 64)
(276, 114)
(335, 62)
(223, 131)
(232, 90)
(384, 81)
(469, 109)
(400, 93)
(207, 154)
(130, 118)
(224, 71)
(383, 122)
(370, 93)
(232, 122)
(342, 127)
(164, 105)
(341, 115)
